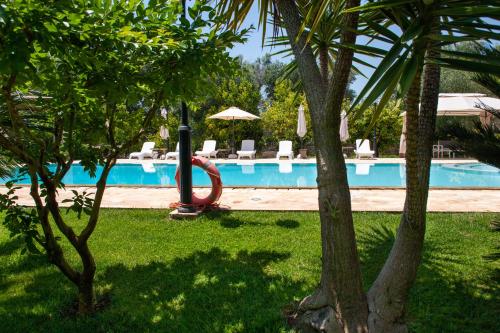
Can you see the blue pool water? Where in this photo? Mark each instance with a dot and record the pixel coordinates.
(291, 175)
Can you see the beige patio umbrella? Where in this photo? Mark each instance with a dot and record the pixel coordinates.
(234, 113)
(402, 139)
(344, 128)
(164, 134)
(458, 105)
(301, 125)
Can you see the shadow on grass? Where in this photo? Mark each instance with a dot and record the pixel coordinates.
(227, 220)
(204, 292)
(289, 224)
(442, 299)
(10, 246)
(209, 291)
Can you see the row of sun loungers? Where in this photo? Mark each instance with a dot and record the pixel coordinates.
(247, 150)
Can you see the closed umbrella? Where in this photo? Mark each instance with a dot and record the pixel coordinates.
(344, 128)
(234, 113)
(402, 140)
(164, 134)
(301, 124)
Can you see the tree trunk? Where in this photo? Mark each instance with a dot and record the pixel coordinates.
(388, 296)
(339, 304)
(323, 63)
(86, 295)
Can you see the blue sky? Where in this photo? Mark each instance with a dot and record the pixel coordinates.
(252, 49)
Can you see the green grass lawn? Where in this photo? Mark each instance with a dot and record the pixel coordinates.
(234, 272)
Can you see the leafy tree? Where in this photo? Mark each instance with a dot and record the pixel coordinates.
(93, 70)
(268, 73)
(388, 126)
(279, 120)
(238, 90)
(457, 81)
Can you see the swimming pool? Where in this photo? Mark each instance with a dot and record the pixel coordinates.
(285, 174)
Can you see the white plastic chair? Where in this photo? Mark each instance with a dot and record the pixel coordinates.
(285, 150)
(146, 151)
(247, 149)
(208, 149)
(173, 154)
(363, 149)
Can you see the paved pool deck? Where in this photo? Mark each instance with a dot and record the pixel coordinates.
(384, 200)
(296, 160)
(283, 199)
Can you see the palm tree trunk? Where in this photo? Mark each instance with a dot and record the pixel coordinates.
(323, 63)
(388, 296)
(339, 304)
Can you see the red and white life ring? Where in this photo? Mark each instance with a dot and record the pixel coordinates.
(214, 175)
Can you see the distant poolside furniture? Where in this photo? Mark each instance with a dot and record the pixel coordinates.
(285, 150)
(444, 147)
(363, 169)
(208, 149)
(146, 151)
(173, 154)
(363, 149)
(436, 150)
(247, 149)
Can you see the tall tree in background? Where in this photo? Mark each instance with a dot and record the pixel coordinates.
(283, 110)
(99, 68)
(340, 304)
(459, 81)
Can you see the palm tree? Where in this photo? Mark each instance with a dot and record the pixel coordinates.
(412, 66)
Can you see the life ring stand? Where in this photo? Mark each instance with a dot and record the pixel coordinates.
(214, 175)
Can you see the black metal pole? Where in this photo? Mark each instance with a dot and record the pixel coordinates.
(186, 178)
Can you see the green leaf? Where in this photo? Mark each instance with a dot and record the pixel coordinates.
(471, 66)
(384, 82)
(411, 67)
(392, 55)
(50, 26)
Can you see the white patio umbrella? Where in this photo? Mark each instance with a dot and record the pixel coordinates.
(301, 124)
(234, 113)
(402, 140)
(469, 104)
(344, 128)
(164, 134)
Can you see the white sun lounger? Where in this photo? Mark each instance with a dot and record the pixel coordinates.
(173, 154)
(285, 150)
(146, 151)
(247, 149)
(208, 149)
(363, 149)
